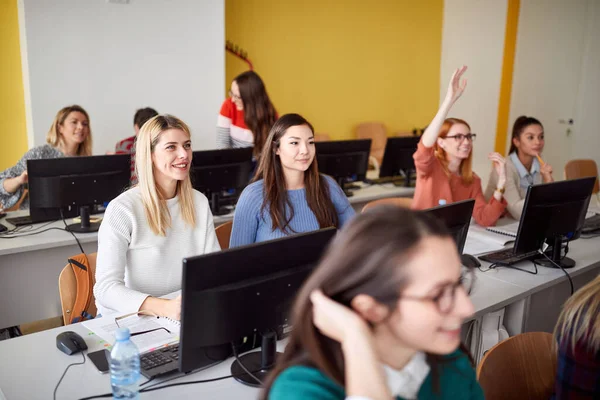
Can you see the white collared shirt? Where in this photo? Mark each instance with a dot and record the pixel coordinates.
(530, 177)
(406, 382)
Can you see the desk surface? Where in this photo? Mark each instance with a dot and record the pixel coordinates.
(34, 358)
(56, 238)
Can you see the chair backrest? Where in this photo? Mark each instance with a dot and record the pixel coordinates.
(582, 169)
(405, 202)
(18, 203)
(67, 287)
(223, 234)
(377, 133)
(520, 367)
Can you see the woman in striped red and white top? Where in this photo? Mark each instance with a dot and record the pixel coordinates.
(246, 117)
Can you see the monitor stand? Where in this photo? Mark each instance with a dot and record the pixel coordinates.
(259, 363)
(215, 204)
(341, 182)
(564, 262)
(85, 226)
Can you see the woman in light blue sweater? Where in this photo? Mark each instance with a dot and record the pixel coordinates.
(288, 195)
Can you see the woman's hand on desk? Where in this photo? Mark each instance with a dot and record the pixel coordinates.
(163, 307)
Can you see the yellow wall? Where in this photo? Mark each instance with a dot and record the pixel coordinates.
(339, 63)
(13, 135)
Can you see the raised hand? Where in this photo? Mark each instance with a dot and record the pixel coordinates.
(500, 167)
(456, 87)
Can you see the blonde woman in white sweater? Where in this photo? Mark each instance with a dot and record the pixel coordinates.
(150, 228)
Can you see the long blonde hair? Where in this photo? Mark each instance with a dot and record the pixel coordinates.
(54, 138)
(579, 320)
(155, 205)
(466, 166)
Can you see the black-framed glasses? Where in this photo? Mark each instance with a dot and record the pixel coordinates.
(234, 96)
(445, 298)
(459, 137)
(132, 334)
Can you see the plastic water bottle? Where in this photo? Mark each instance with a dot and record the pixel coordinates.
(124, 367)
(442, 202)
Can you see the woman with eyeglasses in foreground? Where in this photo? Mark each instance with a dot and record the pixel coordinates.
(444, 158)
(381, 316)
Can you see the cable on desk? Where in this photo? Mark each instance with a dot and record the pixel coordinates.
(237, 359)
(54, 228)
(563, 270)
(66, 369)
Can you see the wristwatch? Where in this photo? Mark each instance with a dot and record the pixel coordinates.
(500, 190)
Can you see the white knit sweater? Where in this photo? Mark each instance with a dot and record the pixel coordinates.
(134, 263)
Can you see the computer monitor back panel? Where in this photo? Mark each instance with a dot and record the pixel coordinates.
(242, 291)
(398, 156)
(456, 217)
(344, 159)
(70, 182)
(553, 209)
(216, 170)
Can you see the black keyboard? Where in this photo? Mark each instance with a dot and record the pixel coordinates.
(160, 361)
(591, 224)
(20, 221)
(507, 257)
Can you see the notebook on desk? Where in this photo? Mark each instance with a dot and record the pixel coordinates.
(481, 240)
(106, 326)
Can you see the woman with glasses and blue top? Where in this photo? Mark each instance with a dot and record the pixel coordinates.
(381, 316)
(524, 165)
(443, 161)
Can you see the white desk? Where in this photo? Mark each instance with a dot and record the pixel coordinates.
(30, 366)
(30, 265)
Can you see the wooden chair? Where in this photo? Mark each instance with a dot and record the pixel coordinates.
(18, 204)
(405, 202)
(223, 234)
(581, 169)
(520, 367)
(67, 287)
(377, 132)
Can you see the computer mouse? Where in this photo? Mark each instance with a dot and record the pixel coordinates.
(70, 343)
(470, 261)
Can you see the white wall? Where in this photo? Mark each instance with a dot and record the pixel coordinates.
(473, 35)
(115, 58)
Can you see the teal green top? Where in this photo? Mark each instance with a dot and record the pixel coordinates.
(456, 381)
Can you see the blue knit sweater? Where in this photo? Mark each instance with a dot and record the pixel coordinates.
(250, 225)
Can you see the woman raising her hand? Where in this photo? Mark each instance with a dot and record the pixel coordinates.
(444, 158)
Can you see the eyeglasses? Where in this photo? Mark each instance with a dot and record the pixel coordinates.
(132, 334)
(459, 137)
(234, 96)
(445, 299)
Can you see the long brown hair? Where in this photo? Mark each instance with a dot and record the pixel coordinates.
(276, 197)
(519, 127)
(54, 138)
(466, 166)
(259, 113)
(364, 258)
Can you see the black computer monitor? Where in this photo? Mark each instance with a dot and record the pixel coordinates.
(239, 292)
(216, 171)
(457, 218)
(398, 158)
(553, 212)
(344, 160)
(71, 186)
